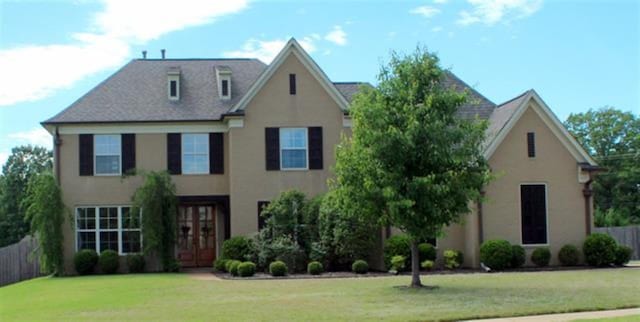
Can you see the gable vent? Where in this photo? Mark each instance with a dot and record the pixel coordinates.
(223, 75)
(173, 83)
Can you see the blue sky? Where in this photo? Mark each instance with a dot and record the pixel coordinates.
(576, 54)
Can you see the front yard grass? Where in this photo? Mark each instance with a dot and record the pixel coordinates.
(161, 297)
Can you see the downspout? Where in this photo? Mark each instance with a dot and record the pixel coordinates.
(57, 142)
(480, 227)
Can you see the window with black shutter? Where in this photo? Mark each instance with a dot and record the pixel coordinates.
(85, 153)
(292, 84)
(261, 219)
(533, 205)
(128, 152)
(216, 153)
(174, 153)
(315, 147)
(531, 144)
(272, 148)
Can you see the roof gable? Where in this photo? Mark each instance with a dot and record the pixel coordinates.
(506, 115)
(292, 48)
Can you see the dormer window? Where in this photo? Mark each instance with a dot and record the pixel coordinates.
(223, 74)
(173, 84)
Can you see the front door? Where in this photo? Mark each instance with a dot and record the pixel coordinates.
(196, 235)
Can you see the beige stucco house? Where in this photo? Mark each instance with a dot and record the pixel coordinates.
(234, 133)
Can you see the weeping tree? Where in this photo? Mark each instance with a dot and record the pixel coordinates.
(157, 201)
(410, 162)
(44, 210)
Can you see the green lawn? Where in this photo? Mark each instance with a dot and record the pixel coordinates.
(179, 297)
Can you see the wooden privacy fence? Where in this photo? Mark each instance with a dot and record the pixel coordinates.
(628, 235)
(17, 263)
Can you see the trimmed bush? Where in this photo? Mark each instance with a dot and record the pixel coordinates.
(397, 245)
(518, 256)
(360, 267)
(398, 263)
(220, 265)
(451, 259)
(428, 265)
(427, 252)
(238, 248)
(85, 261)
(232, 267)
(460, 258)
(623, 255)
(108, 262)
(315, 268)
(278, 268)
(599, 249)
(246, 269)
(135, 263)
(496, 254)
(569, 255)
(541, 256)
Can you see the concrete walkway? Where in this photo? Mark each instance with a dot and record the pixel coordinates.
(567, 316)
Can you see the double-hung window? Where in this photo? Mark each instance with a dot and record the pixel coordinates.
(107, 154)
(293, 149)
(195, 153)
(104, 228)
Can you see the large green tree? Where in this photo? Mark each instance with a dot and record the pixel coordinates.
(612, 137)
(24, 163)
(411, 162)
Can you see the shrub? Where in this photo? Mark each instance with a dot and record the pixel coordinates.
(397, 245)
(278, 268)
(108, 262)
(398, 263)
(172, 266)
(427, 252)
(135, 263)
(623, 255)
(220, 265)
(246, 269)
(518, 256)
(232, 267)
(460, 257)
(315, 268)
(496, 254)
(599, 249)
(238, 248)
(266, 249)
(451, 259)
(360, 267)
(569, 255)
(428, 265)
(85, 261)
(541, 256)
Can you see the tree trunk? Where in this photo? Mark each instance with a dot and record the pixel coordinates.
(415, 265)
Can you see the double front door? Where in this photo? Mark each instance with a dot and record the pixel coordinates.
(196, 235)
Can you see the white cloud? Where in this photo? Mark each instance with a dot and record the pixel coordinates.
(440, 1)
(425, 11)
(33, 72)
(337, 36)
(490, 12)
(437, 29)
(38, 136)
(267, 50)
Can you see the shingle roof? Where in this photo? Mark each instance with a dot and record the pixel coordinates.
(138, 92)
(502, 114)
(476, 105)
(348, 89)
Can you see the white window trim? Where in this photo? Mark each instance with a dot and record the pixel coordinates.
(546, 210)
(306, 148)
(97, 230)
(95, 156)
(182, 153)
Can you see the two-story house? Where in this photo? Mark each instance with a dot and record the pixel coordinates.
(234, 133)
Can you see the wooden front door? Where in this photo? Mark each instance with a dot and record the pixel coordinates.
(196, 235)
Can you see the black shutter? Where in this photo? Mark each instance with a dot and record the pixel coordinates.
(315, 147)
(272, 149)
(531, 144)
(174, 153)
(128, 152)
(86, 154)
(216, 153)
(292, 84)
(534, 214)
